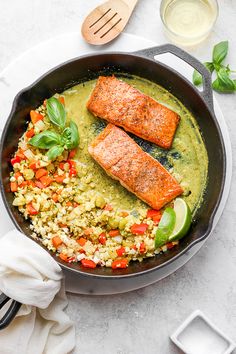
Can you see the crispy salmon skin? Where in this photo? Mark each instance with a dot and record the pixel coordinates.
(137, 171)
(123, 105)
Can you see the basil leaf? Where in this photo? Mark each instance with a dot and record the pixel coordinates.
(56, 112)
(74, 135)
(45, 140)
(197, 78)
(210, 66)
(70, 136)
(54, 152)
(223, 83)
(220, 51)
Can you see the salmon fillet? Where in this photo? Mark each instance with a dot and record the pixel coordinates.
(137, 171)
(123, 105)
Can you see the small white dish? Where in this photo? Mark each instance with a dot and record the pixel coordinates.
(198, 335)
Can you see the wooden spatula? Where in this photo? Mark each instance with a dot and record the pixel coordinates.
(107, 21)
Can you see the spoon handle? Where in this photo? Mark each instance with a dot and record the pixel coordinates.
(131, 4)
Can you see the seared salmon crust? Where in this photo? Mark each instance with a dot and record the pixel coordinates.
(136, 170)
(123, 105)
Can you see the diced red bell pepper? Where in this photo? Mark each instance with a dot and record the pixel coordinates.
(72, 163)
(72, 154)
(114, 233)
(138, 229)
(30, 133)
(87, 263)
(142, 247)
(152, 213)
(120, 263)
(20, 153)
(120, 251)
(34, 164)
(15, 159)
(62, 100)
(170, 245)
(72, 172)
(156, 219)
(31, 210)
(102, 238)
(62, 165)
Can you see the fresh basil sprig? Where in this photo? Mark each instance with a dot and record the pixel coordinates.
(223, 82)
(60, 139)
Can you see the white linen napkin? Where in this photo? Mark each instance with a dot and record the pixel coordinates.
(29, 275)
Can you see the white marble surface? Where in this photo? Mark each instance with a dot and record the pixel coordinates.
(141, 321)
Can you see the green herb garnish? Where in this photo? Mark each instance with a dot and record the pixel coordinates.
(56, 112)
(223, 82)
(62, 137)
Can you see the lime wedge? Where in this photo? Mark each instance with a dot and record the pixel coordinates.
(183, 220)
(165, 227)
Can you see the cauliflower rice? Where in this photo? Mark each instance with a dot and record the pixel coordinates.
(76, 222)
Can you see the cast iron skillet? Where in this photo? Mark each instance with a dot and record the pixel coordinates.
(139, 63)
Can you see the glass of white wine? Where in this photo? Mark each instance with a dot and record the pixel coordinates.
(188, 22)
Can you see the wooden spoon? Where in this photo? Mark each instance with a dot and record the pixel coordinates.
(107, 21)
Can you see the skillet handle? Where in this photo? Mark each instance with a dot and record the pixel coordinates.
(11, 311)
(189, 59)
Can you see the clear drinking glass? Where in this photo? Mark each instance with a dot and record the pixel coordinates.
(188, 22)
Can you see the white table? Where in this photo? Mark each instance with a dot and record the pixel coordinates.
(141, 321)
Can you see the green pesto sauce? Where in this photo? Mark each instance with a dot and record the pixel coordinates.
(187, 159)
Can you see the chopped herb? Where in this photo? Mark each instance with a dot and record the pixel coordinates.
(223, 82)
